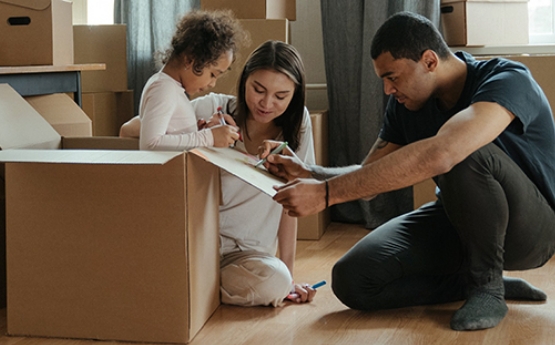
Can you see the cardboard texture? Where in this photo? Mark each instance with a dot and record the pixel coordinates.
(111, 245)
(36, 32)
(108, 111)
(102, 44)
(485, 23)
(255, 9)
(104, 243)
(260, 31)
(62, 113)
(242, 165)
(21, 126)
(313, 227)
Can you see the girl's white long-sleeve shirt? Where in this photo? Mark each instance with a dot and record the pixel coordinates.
(168, 120)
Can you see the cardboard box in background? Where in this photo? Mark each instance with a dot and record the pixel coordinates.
(313, 227)
(423, 193)
(260, 30)
(102, 44)
(108, 111)
(62, 113)
(542, 68)
(135, 260)
(255, 9)
(36, 32)
(485, 23)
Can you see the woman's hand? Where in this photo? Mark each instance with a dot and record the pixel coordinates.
(286, 164)
(302, 293)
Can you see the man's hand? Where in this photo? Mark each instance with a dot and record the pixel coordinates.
(302, 197)
(285, 165)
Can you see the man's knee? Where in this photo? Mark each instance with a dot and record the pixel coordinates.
(352, 286)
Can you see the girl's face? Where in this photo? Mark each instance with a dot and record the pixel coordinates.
(193, 83)
(268, 94)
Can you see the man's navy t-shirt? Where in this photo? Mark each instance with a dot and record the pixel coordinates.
(529, 140)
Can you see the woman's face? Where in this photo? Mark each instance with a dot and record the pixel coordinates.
(268, 94)
(193, 83)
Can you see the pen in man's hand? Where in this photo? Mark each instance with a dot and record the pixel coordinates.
(275, 151)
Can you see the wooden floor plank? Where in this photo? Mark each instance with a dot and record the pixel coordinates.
(327, 321)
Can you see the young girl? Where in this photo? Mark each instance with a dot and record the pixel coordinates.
(202, 49)
(269, 105)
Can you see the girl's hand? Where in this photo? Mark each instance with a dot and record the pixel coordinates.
(302, 293)
(224, 136)
(215, 120)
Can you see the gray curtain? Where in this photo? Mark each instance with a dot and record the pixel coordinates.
(355, 94)
(150, 26)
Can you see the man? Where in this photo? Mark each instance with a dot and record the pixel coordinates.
(484, 131)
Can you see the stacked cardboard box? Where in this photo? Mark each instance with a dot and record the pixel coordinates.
(36, 32)
(313, 227)
(106, 98)
(485, 22)
(263, 20)
(105, 243)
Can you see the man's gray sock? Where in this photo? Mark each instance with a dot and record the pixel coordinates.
(481, 310)
(520, 289)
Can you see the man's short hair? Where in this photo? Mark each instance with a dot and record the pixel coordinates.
(408, 35)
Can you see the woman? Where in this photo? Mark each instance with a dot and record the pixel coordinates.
(253, 228)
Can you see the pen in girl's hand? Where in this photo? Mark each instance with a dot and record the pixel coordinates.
(275, 151)
(221, 115)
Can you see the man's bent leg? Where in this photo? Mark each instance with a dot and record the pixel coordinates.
(494, 205)
(414, 259)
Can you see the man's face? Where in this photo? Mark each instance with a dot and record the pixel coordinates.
(410, 82)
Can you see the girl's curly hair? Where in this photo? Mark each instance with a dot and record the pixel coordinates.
(203, 36)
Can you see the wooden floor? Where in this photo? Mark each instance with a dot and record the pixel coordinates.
(326, 321)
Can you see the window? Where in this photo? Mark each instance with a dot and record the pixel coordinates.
(541, 14)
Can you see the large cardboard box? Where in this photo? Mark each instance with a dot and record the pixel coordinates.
(313, 227)
(260, 30)
(108, 111)
(105, 244)
(36, 32)
(485, 22)
(20, 127)
(105, 44)
(113, 245)
(62, 113)
(255, 9)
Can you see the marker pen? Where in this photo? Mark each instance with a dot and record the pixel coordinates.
(275, 151)
(221, 115)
